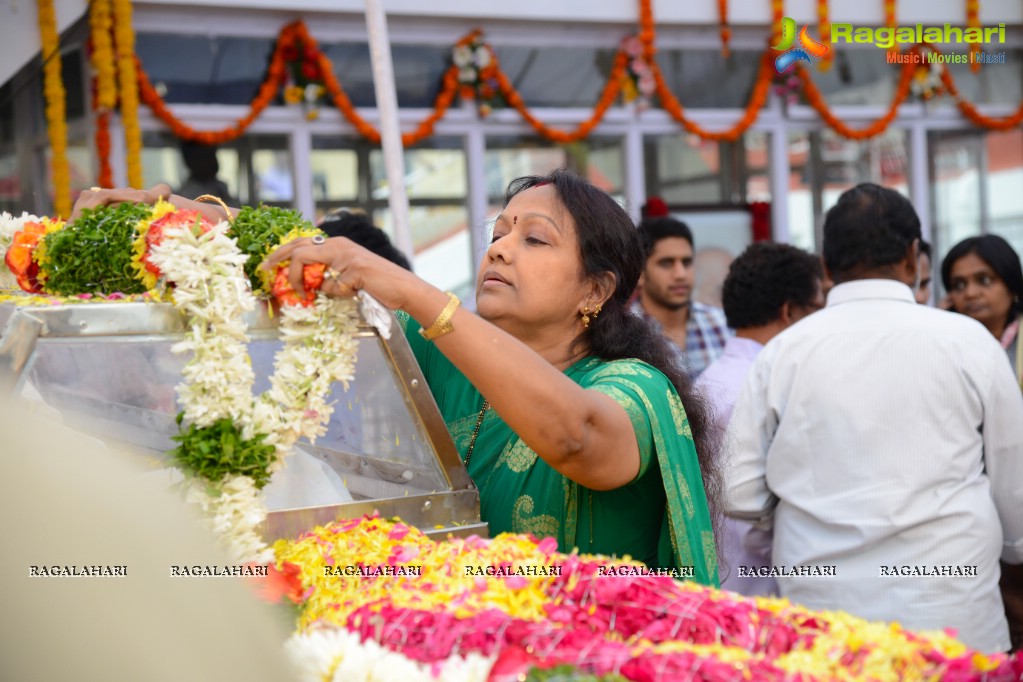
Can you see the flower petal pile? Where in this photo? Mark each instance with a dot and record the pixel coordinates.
(515, 601)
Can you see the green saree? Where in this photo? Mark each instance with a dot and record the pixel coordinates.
(660, 518)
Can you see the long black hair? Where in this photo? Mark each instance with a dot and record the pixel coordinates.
(609, 242)
(1000, 257)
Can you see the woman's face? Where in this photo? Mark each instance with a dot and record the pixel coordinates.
(976, 290)
(531, 279)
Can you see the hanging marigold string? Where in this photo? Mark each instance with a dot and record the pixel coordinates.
(105, 99)
(890, 22)
(816, 100)
(267, 91)
(105, 172)
(422, 131)
(777, 14)
(973, 21)
(971, 112)
(56, 114)
(824, 26)
(612, 88)
(292, 33)
(124, 43)
(275, 79)
(756, 101)
(726, 30)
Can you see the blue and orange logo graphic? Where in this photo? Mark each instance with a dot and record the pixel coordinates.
(808, 47)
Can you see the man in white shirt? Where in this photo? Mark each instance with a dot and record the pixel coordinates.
(769, 288)
(884, 439)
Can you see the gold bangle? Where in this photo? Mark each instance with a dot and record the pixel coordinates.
(214, 199)
(442, 325)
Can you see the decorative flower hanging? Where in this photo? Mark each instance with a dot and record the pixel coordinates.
(305, 83)
(638, 84)
(926, 82)
(787, 87)
(477, 73)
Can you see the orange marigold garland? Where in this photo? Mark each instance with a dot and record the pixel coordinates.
(56, 114)
(726, 30)
(973, 21)
(611, 89)
(890, 22)
(105, 81)
(777, 14)
(501, 84)
(124, 42)
(816, 100)
(824, 25)
(757, 100)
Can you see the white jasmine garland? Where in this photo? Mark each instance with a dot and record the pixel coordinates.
(336, 654)
(235, 513)
(212, 289)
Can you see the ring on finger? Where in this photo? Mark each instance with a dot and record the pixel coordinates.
(319, 239)
(332, 274)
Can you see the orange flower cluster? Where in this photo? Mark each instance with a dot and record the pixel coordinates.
(973, 21)
(105, 175)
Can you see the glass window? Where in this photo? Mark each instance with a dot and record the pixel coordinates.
(335, 169)
(205, 69)
(825, 164)
(557, 76)
(993, 84)
(429, 173)
(975, 181)
(801, 192)
(600, 159)
(442, 243)
(858, 77)
(418, 70)
(255, 168)
(702, 79)
(1004, 180)
(685, 169)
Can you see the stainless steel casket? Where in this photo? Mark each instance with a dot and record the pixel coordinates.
(108, 369)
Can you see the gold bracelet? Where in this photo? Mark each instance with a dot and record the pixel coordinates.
(214, 199)
(442, 325)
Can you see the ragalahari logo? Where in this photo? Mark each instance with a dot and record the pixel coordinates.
(808, 47)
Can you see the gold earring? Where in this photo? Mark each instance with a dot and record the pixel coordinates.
(586, 317)
(596, 311)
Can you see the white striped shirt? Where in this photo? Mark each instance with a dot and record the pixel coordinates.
(889, 435)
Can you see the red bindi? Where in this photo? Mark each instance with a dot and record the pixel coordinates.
(515, 220)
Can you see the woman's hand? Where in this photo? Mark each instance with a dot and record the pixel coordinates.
(95, 197)
(350, 268)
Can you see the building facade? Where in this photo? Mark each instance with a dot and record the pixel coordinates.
(206, 61)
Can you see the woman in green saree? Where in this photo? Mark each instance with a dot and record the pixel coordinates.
(565, 408)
